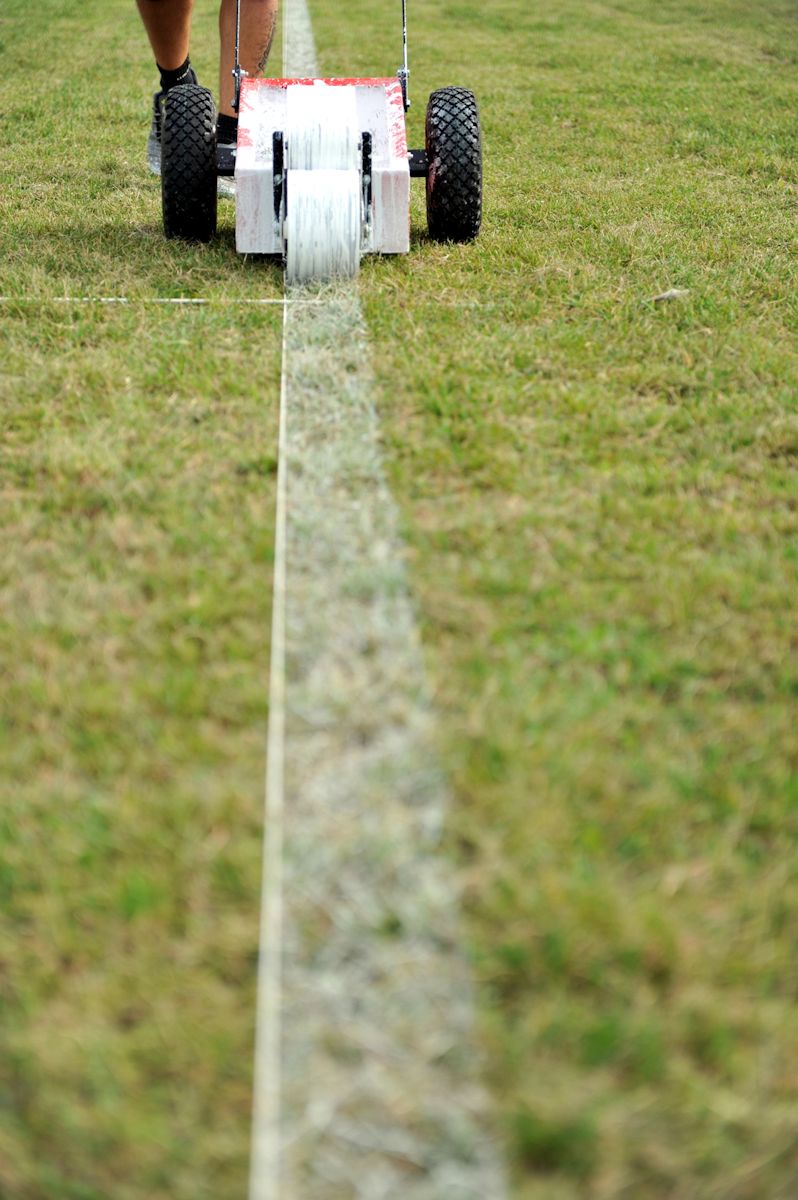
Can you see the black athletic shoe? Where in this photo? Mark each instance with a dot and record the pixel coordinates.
(154, 139)
(226, 161)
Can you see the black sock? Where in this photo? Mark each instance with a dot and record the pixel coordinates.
(170, 79)
(226, 130)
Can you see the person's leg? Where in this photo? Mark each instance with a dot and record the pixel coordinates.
(257, 29)
(168, 24)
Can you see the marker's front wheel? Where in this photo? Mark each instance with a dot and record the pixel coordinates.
(454, 155)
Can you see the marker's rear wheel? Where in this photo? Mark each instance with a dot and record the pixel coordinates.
(188, 164)
(454, 154)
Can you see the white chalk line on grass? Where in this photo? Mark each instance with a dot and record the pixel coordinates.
(365, 1085)
(225, 300)
(265, 1164)
(232, 301)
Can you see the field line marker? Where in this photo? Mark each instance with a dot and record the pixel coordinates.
(364, 1067)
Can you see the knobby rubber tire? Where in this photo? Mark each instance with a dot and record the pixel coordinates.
(188, 164)
(454, 153)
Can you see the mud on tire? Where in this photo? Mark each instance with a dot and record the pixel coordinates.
(188, 164)
(454, 153)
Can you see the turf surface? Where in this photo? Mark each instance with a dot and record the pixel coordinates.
(600, 501)
(136, 476)
(600, 498)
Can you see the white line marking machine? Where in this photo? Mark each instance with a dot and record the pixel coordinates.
(322, 168)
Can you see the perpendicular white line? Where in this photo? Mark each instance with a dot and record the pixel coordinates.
(284, 302)
(179, 300)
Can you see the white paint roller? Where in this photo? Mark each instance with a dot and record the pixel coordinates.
(323, 221)
(322, 225)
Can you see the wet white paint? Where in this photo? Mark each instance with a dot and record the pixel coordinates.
(324, 219)
(322, 226)
(322, 128)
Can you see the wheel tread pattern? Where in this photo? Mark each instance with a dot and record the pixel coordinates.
(188, 164)
(454, 179)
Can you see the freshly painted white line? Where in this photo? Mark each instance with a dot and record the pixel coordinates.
(365, 1079)
(265, 1163)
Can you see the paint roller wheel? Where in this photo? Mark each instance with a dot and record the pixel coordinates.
(188, 164)
(322, 225)
(323, 190)
(454, 153)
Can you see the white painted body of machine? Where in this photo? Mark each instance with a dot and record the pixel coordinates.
(264, 198)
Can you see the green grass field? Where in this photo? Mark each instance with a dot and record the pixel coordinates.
(600, 501)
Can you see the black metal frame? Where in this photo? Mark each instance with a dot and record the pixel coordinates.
(404, 70)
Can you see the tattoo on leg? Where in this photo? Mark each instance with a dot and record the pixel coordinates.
(264, 58)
